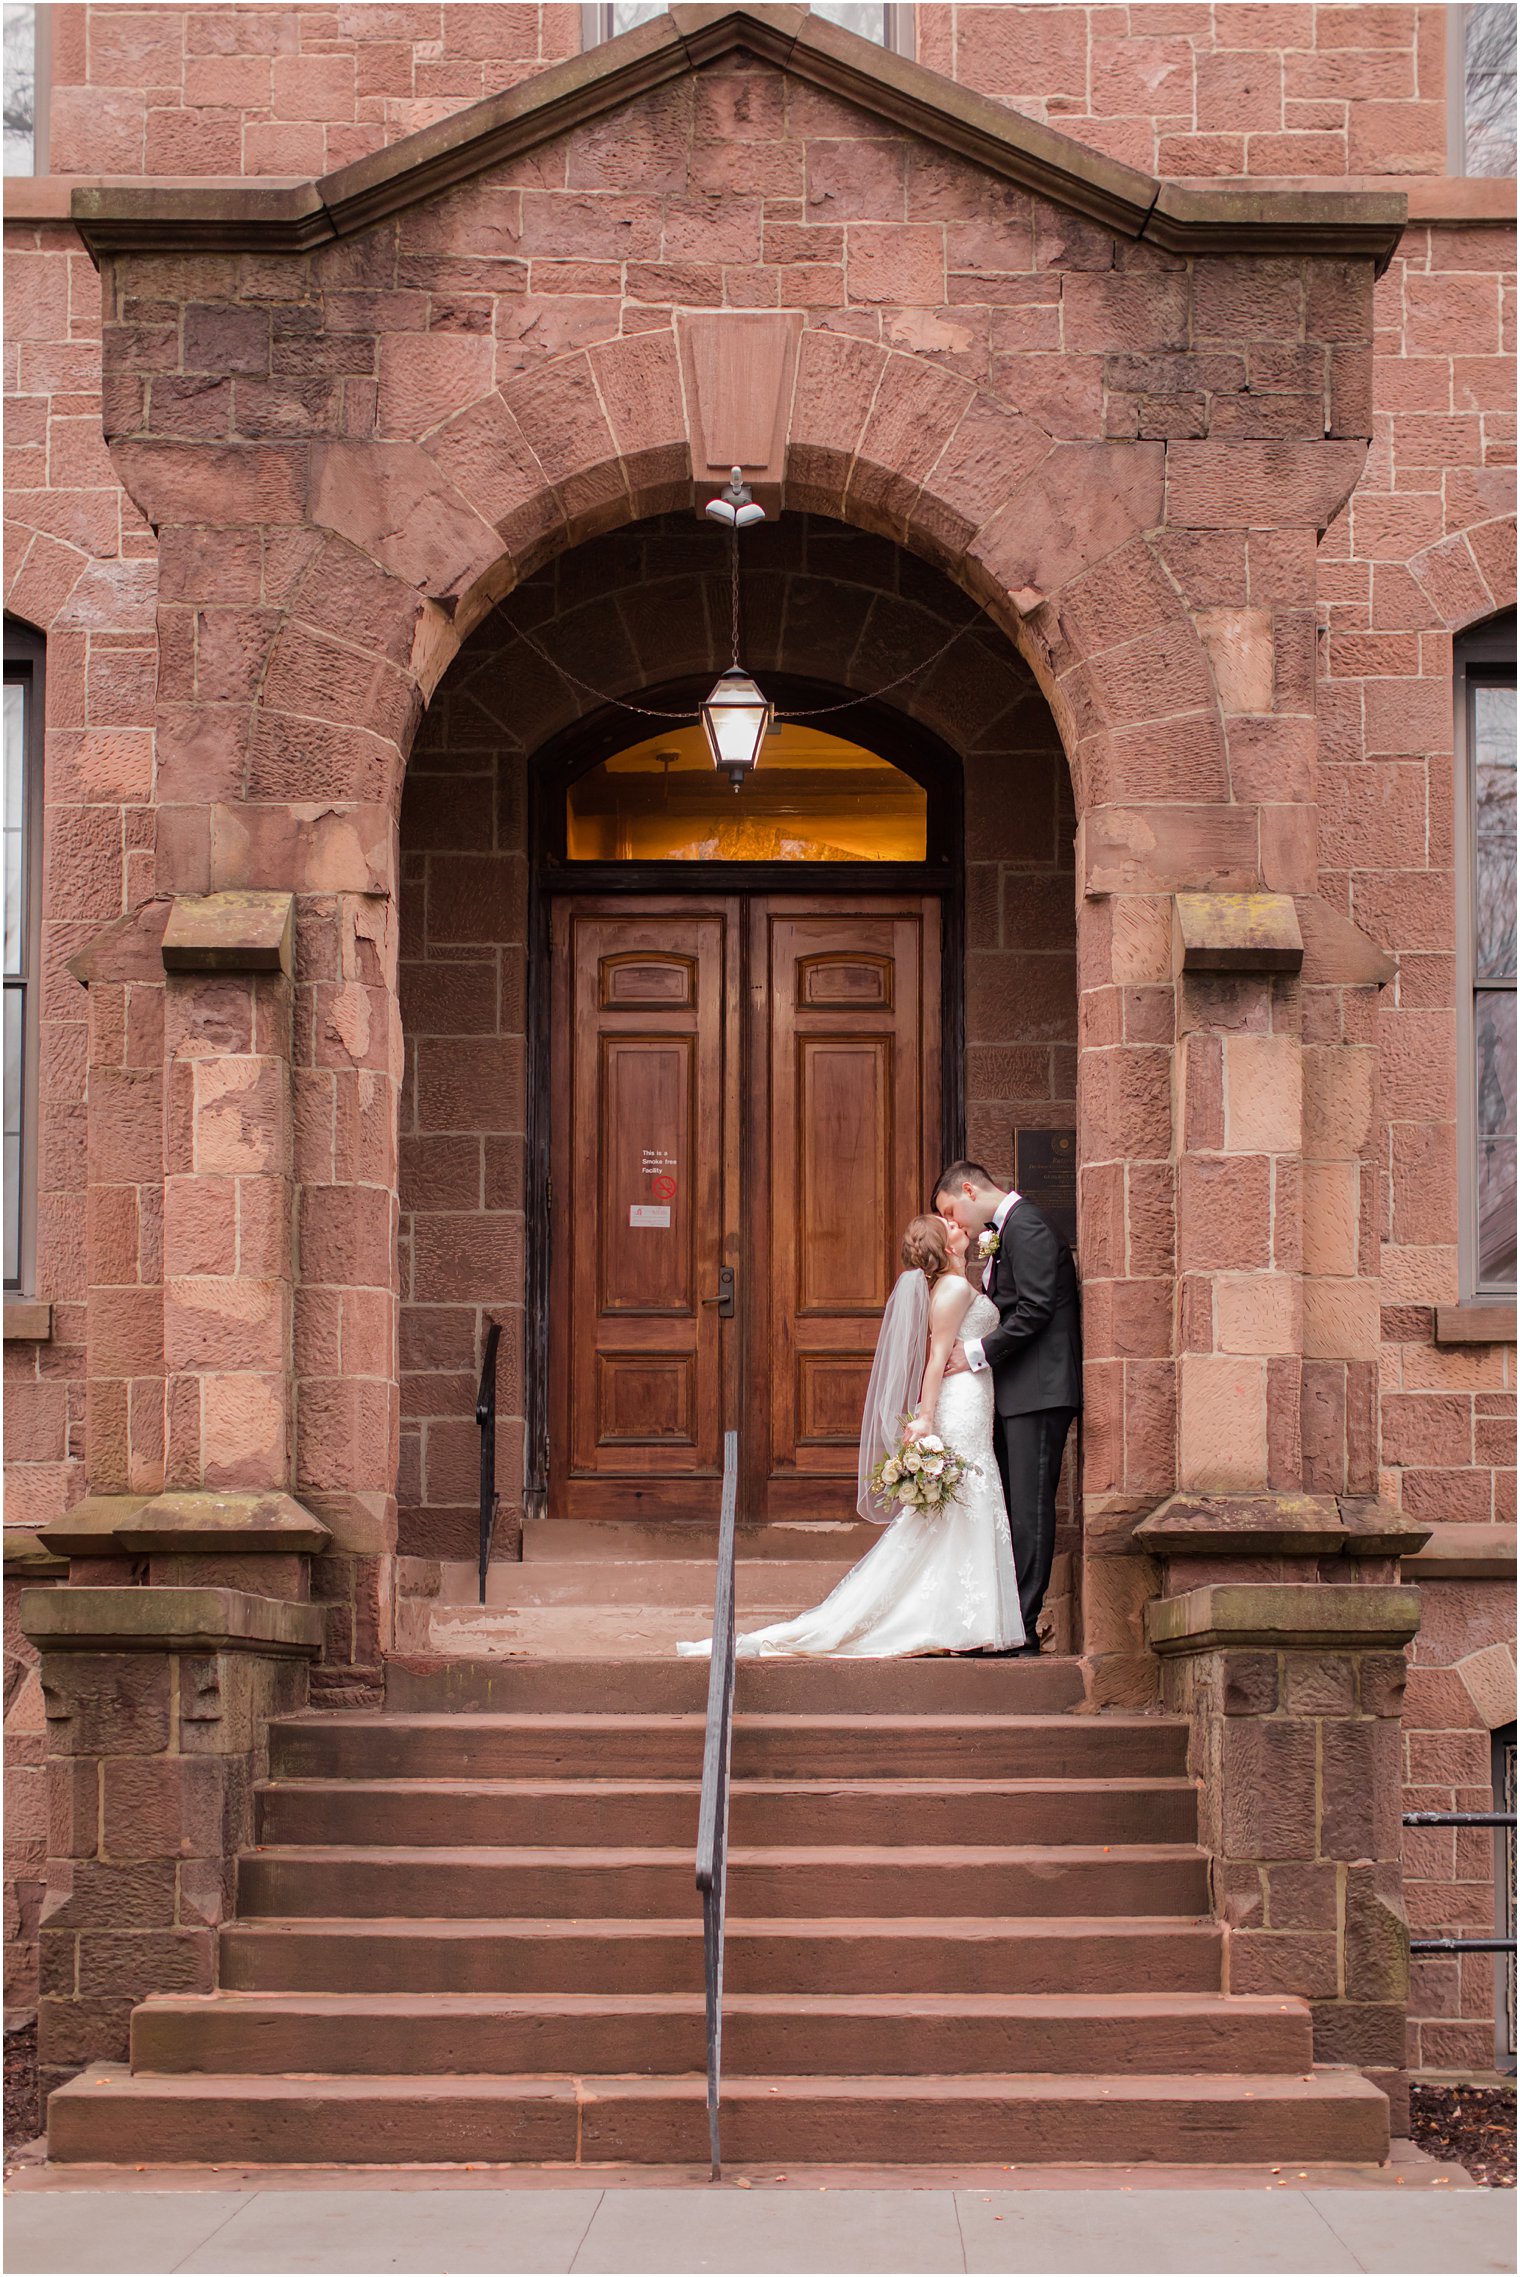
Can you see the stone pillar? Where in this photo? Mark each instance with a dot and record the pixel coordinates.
(157, 1700)
(185, 1624)
(347, 1088)
(1281, 1625)
(124, 1157)
(1127, 1219)
(1294, 1691)
(228, 1229)
(1239, 1121)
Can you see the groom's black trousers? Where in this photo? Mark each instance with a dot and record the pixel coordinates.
(1029, 1449)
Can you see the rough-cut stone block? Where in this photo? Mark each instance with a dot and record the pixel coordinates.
(116, 1621)
(1292, 1961)
(1147, 849)
(1266, 1802)
(105, 1704)
(1222, 1422)
(1323, 1616)
(1245, 932)
(1259, 484)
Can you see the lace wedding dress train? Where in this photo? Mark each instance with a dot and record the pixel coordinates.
(937, 1581)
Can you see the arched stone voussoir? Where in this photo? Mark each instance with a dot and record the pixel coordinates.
(1078, 505)
(991, 453)
(345, 594)
(916, 406)
(484, 456)
(835, 388)
(311, 674)
(44, 573)
(1470, 574)
(638, 381)
(560, 413)
(392, 502)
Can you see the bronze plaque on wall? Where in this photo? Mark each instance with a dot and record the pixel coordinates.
(1045, 1168)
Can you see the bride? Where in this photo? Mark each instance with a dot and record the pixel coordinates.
(938, 1580)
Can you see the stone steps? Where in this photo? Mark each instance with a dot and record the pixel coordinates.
(769, 1879)
(967, 1924)
(453, 1813)
(774, 1746)
(974, 1683)
(784, 2033)
(901, 1953)
(113, 2116)
(791, 1584)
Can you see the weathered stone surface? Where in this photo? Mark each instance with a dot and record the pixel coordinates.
(231, 931)
(167, 1620)
(1310, 1614)
(1236, 932)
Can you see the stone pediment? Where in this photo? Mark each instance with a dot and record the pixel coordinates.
(293, 218)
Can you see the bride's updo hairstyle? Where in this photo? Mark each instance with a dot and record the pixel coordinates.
(925, 1247)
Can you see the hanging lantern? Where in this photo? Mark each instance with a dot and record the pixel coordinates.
(735, 718)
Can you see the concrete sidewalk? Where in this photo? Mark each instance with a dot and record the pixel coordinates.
(427, 2227)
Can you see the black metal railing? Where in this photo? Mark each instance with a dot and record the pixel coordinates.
(712, 1821)
(485, 1418)
(1496, 1819)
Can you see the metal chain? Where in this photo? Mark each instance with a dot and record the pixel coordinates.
(645, 711)
(871, 696)
(816, 711)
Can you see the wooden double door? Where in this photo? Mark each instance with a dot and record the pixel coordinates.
(745, 1112)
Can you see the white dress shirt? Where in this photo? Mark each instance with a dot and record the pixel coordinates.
(976, 1358)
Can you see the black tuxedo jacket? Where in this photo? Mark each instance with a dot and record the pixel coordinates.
(1035, 1352)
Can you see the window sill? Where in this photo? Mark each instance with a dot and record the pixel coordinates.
(1479, 1321)
(27, 1321)
(1461, 1552)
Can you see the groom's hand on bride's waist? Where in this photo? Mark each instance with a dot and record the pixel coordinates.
(957, 1364)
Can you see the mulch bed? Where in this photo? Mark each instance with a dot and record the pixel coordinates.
(1473, 2125)
(23, 2103)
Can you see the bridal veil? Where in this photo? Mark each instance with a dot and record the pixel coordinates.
(897, 1375)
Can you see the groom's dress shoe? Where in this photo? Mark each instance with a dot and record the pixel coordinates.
(1029, 1651)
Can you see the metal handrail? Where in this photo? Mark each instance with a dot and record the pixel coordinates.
(485, 1418)
(1460, 1944)
(712, 1820)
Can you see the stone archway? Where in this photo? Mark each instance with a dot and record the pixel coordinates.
(822, 604)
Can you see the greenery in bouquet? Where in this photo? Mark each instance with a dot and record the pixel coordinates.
(920, 1473)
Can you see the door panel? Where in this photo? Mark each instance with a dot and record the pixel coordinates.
(842, 1154)
(643, 1072)
(846, 1044)
(742, 1084)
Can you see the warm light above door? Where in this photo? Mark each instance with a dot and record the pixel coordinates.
(813, 798)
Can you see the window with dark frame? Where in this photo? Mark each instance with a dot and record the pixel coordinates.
(23, 782)
(1481, 88)
(889, 23)
(1504, 1897)
(1485, 739)
(24, 86)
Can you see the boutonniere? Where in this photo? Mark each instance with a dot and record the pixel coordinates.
(989, 1243)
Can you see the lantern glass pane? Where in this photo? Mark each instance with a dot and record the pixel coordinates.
(737, 729)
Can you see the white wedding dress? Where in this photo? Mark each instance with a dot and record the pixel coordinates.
(937, 1581)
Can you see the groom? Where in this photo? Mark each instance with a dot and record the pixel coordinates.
(1035, 1356)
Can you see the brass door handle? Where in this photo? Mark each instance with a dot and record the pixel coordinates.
(724, 1300)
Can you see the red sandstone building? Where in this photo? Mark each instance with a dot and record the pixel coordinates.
(375, 975)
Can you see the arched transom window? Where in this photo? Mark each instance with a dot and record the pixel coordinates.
(813, 798)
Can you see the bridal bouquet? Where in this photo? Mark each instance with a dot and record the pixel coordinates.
(920, 1474)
